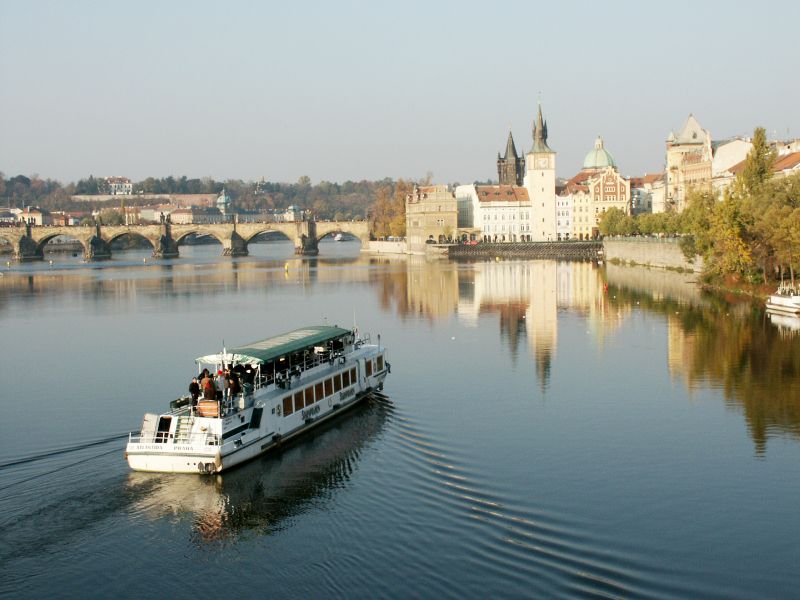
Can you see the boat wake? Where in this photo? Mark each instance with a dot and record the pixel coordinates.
(536, 551)
(58, 451)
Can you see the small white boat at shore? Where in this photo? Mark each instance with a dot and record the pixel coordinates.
(785, 300)
(339, 237)
(289, 384)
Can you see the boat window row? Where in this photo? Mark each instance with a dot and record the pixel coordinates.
(319, 391)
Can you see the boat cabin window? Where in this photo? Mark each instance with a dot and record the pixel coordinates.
(309, 395)
(337, 382)
(164, 424)
(298, 401)
(329, 387)
(353, 376)
(318, 391)
(346, 379)
(368, 367)
(287, 406)
(380, 362)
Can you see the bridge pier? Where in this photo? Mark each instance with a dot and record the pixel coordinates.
(166, 247)
(306, 240)
(234, 246)
(96, 247)
(26, 248)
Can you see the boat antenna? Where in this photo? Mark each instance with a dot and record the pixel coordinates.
(355, 327)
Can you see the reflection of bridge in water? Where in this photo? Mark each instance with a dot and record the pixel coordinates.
(29, 242)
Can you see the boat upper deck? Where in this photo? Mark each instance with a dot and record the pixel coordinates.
(285, 344)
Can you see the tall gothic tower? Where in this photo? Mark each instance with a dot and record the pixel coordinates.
(510, 168)
(540, 181)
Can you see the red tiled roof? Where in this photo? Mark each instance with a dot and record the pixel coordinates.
(787, 162)
(645, 179)
(783, 163)
(501, 193)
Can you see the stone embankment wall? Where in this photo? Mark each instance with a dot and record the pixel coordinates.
(654, 252)
(385, 247)
(552, 250)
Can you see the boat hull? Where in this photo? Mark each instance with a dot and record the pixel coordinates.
(785, 308)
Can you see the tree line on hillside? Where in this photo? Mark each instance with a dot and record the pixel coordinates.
(750, 233)
(382, 202)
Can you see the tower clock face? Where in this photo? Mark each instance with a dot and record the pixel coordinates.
(543, 162)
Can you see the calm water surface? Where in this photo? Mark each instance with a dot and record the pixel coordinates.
(549, 430)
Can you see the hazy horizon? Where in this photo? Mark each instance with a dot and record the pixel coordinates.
(366, 91)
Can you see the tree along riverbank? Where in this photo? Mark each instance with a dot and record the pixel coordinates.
(748, 236)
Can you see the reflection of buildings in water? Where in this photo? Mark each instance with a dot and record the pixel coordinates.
(524, 295)
(681, 350)
(528, 294)
(261, 494)
(433, 290)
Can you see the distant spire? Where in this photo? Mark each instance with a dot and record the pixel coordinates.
(511, 150)
(540, 133)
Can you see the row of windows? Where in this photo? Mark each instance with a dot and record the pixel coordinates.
(319, 391)
(314, 393)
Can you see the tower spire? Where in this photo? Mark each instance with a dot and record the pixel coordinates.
(511, 150)
(540, 133)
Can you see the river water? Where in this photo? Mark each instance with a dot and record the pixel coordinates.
(548, 430)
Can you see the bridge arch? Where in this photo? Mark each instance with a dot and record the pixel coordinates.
(197, 231)
(348, 236)
(133, 234)
(45, 239)
(356, 229)
(271, 230)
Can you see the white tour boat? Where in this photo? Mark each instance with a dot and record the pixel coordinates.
(338, 237)
(289, 384)
(784, 301)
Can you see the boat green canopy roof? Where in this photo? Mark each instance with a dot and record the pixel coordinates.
(287, 343)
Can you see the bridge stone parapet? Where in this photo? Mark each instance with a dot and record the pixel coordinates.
(29, 241)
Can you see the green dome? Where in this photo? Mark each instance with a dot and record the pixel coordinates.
(599, 157)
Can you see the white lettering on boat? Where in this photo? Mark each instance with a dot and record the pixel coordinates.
(310, 412)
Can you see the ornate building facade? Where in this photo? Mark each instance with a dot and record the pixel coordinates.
(594, 190)
(431, 214)
(689, 162)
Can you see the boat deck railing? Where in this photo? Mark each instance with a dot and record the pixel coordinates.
(786, 289)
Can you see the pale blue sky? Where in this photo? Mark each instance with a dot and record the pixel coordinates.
(365, 90)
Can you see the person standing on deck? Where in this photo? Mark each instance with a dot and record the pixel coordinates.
(219, 384)
(209, 393)
(194, 390)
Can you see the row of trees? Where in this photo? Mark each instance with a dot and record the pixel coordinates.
(750, 233)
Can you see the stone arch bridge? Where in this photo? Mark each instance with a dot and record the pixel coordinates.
(29, 241)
